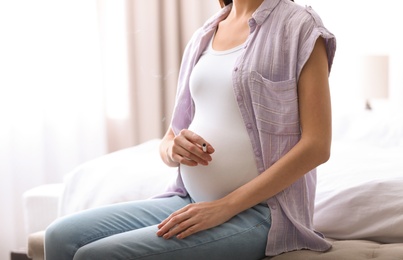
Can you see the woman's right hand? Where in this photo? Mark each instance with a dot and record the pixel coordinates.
(185, 148)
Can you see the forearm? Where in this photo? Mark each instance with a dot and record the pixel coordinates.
(164, 149)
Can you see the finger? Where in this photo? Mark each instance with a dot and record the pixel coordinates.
(209, 148)
(164, 222)
(174, 219)
(189, 153)
(183, 156)
(179, 229)
(163, 230)
(190, 230)
(196, 140)
(192, 136)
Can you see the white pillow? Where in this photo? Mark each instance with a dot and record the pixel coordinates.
(381, 127)
(370, 211)
(129, 174)
(360, 193)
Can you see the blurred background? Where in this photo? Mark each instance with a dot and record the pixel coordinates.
(79, 79)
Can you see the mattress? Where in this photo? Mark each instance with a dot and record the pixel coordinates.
(349, 250)
(341, 250)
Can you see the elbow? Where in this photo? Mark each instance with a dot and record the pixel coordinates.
(322, 151)
(325, 155)
(317, 150)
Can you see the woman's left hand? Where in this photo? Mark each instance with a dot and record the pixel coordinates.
(193, 218)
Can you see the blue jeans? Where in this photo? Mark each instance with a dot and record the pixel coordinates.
(128, 231)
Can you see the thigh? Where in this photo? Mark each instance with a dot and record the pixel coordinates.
(242, 237)
(68, 234)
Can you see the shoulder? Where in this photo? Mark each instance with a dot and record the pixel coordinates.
(298, 24)
(296, 16)
(302, 26)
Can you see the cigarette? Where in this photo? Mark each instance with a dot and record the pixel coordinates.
(204, 147)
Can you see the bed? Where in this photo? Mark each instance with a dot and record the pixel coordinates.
(358, 206)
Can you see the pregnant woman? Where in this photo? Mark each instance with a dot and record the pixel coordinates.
(252, 121)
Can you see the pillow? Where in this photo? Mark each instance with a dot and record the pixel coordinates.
(369, 211)
(360, 194)
(129, 174)
(382, 126)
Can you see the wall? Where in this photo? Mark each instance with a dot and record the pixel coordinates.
(362, 27)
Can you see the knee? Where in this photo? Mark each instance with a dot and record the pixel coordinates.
(87, 253)
(55, 233)
(96, 251)
(59, 241)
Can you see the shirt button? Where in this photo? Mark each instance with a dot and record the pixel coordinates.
(249, 125)
(239, 98)
(272, 205)
(236, 69)
(257, 153)
(252, 22)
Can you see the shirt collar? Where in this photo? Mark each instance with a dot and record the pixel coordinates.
(258, 17)
(264, 10)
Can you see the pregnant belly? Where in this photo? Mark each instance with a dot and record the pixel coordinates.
(233, 164)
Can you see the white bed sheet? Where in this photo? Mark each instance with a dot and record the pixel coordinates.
(129, 174)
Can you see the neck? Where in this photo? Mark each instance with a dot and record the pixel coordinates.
(244, 8)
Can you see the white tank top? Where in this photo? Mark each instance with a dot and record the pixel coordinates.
(218, 120)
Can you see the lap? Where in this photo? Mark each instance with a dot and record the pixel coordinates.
(243, 237)
(67, 234)
(128, 215)
(128, 231)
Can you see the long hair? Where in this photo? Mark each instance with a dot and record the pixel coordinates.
(227, 2)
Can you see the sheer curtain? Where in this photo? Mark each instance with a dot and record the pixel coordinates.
(51, 100)
(79, 79)
(157, 32)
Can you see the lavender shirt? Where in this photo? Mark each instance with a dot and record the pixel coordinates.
(282, 37)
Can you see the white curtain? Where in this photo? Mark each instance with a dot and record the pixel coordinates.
(79, 79)
(51, 100)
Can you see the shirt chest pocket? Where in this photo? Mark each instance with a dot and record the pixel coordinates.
(275, 105)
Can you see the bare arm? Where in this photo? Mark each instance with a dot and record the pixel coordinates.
(312, 150)
(314, 147)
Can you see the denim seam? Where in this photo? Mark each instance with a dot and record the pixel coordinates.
(205, 243)
(96, 237)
